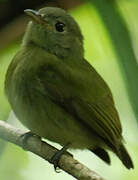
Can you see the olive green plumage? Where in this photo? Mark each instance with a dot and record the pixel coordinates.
(57, 94)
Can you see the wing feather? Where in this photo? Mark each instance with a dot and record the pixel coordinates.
(66, 88)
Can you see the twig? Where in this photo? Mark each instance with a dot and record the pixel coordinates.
(46, 151)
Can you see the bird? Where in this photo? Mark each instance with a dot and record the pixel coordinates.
(57, 94)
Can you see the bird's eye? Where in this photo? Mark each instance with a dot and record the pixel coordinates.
(60, 26)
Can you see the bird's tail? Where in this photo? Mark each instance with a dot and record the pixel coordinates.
(125, 157)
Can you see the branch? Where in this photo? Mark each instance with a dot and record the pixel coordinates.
(46, 151)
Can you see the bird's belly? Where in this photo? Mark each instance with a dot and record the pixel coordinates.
(46, 119)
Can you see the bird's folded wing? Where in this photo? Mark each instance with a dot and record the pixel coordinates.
(102, 119)
(99, 116)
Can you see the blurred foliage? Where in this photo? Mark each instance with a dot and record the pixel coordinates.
(111, 42)
(13, 162)
(121, 42)
(5, 59)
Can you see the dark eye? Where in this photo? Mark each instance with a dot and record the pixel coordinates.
(60, 26)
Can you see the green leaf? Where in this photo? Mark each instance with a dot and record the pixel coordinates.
(119, 34)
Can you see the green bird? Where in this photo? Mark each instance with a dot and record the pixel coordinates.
(57, 94)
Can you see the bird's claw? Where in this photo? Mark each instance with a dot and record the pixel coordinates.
(26, 136)
(56, 157)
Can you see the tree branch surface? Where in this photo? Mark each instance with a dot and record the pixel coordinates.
(46, 151)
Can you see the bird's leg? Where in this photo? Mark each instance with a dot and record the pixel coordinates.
(56, 157)
(26, 136)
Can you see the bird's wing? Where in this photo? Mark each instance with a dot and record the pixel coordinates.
(103, 117)
(84, 94)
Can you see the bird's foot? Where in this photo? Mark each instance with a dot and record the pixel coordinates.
(25, 138)
(56, 157)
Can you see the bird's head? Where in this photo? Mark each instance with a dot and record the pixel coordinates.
(54, 30)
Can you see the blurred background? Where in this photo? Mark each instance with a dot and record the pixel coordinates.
(110, 29)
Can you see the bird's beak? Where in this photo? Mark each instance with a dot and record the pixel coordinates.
(35, 15)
